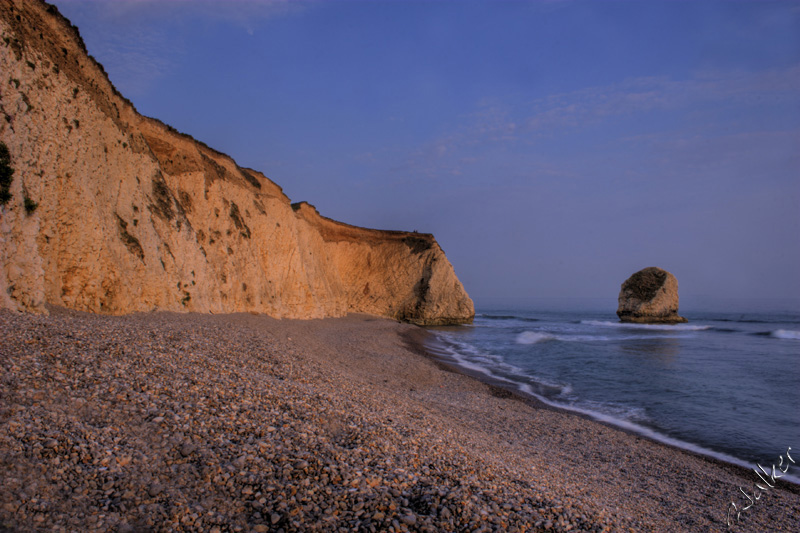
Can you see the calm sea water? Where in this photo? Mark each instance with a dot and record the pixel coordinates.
(725, 384)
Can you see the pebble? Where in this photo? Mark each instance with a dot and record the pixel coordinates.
(408, 519)
(187, 450)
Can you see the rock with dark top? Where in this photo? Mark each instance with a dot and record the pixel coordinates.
(650, 296)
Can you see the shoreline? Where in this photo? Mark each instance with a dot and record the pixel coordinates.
(240, 422)
(428, 347)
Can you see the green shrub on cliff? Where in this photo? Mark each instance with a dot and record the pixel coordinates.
(6, 174)
(30, 205)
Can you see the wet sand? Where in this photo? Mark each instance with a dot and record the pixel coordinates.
(159, 422)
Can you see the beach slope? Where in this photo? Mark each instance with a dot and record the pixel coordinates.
(191, 422)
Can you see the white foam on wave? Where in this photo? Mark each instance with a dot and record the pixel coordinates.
(535, 337)
(618, 411)
(471, 358)
(786, 334)
(661, 327)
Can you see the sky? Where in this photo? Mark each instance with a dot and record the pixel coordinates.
(553, 148)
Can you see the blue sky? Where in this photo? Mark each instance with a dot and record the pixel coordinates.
(553, 148)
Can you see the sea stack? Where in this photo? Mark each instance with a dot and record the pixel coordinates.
(650, 296)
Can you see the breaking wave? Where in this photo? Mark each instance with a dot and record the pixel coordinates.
(663, 327)
(507, 317)
(535, 337)
(786, 334)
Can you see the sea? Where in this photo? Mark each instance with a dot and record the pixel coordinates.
(725, 385)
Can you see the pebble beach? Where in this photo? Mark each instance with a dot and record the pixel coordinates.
(188, 422)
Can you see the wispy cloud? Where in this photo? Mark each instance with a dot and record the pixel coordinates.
(496, 125)
(642, 95)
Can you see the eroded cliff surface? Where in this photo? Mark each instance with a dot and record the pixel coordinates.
(134, 216)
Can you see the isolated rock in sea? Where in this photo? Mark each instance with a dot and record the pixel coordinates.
(113, 212)
(650, 296)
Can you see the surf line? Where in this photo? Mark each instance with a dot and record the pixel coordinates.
(757, 495)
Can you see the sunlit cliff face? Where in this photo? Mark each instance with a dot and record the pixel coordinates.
(134, 216)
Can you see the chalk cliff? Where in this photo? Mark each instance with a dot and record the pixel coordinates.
(650, 296)
(134, 216)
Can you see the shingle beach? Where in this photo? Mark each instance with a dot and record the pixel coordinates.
(187, 422)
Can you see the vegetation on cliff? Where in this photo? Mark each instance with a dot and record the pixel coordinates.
(6, 174)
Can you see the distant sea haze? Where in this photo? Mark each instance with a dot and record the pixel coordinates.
(724, 385)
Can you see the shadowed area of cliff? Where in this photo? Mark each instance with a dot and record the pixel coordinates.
(134, 216)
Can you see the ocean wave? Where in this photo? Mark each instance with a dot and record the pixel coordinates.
(486, 362)
(662, 327)
(629, 418)
(618, 411)
(507, 317)
(536, 337)
(492, 366)
(758, 321)
(466, 354)
(786, 334)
